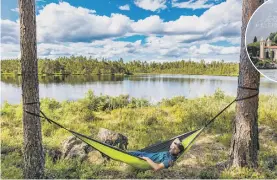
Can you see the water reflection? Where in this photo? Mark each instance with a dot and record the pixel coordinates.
(270, 73)
(67, 79)
(151, 87)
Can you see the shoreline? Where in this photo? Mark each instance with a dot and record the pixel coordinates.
(151, 103)
(134, 74)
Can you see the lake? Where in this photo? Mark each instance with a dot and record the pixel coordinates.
(151, 87)
(270, 73)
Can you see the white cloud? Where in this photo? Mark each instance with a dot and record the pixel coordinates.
(172, 47)
(211, 49)
(186, 25)
(63, 22)
(125, 7)
(151, 5)
(226, 12)
(65, 30)
(220, 20)
(192, 4)
(98, 49)
(234, 40)
(149, 25)
(9, 51)
(9, 31)
(165, 48)
(15, 10)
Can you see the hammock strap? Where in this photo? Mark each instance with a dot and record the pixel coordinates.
(48, 119)
(235, 100)
(30, 103)
(78, 134)
(207, 124)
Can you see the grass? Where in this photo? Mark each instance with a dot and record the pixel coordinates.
(143, 123)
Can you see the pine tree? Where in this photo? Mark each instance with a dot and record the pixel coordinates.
(32, 150)
(245, 144)
(255, 39)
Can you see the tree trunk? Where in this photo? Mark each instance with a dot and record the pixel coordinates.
(245, 144)
(32, 150)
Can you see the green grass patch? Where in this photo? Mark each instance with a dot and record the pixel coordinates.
(144, 124)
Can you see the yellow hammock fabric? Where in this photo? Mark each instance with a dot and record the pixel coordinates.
(187, 140)
(119, 155)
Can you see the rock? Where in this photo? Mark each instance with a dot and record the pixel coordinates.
(222, 165)
(54, 154)
(271, 162)
(73, 147)
(113, 139)
(95, 157)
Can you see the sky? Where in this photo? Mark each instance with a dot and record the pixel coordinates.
(146, 30)
(263, 22)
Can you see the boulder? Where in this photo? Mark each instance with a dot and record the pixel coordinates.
(223, 165)
(95, 157)
(73, 147)
(113, 139)
(54, 154)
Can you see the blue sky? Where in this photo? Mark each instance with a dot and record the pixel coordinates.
(151, 30)
(107, 7)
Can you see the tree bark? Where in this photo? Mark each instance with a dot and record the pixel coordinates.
(245, 144)
(32, 150)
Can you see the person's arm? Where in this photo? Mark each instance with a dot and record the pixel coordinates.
(154, 165)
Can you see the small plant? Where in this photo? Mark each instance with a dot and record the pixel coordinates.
(209, 173)
(244, 173)
(225, 139)
(145, 175)
(12, 165)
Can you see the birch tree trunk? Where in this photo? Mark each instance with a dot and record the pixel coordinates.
(32, 150)
(245, 144)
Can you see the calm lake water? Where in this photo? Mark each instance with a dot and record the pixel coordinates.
(270, 73)
(151, 87)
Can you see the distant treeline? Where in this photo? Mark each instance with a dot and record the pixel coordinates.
(85, 66)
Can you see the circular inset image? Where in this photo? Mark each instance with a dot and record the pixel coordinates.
(261, 39)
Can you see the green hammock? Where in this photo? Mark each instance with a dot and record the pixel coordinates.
(120, 155)
(117, 154)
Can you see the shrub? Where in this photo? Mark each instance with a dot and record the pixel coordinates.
(12, 165)
(209, 173)
(62, 168)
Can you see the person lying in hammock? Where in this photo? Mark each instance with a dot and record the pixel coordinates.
(164, 159)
